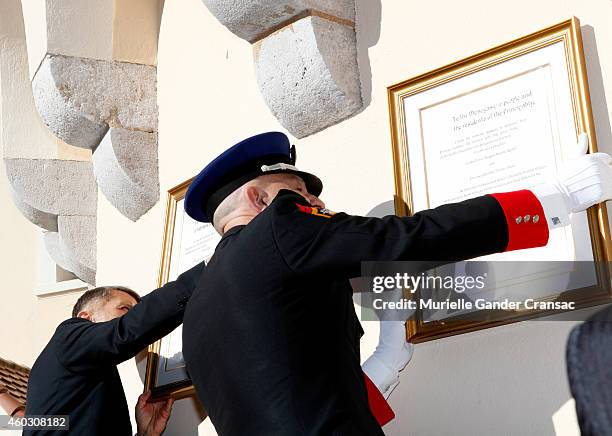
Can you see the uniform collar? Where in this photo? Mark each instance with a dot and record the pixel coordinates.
(233, 230)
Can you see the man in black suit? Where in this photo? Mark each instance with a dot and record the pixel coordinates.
(271, 338)
(76, 373)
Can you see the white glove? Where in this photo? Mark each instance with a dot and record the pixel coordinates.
(391, 356)
(581, 183)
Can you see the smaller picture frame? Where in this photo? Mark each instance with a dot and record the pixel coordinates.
(186, 243)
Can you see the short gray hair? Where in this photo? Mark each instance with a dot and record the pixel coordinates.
(102, 293)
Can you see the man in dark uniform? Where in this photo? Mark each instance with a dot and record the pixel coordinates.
(76, 373)
(271, 339)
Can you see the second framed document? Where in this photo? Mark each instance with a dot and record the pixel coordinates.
(186, 243)
(499, 121)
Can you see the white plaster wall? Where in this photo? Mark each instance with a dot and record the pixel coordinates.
(18, 263)
(23, 330)
(35, 20)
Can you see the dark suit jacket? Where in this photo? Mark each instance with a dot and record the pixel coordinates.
(76, 373)
(271, 338)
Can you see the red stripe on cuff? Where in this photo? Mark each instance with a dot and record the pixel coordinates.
(378, 405)
(525, 218)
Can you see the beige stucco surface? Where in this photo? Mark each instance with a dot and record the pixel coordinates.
(507, 380)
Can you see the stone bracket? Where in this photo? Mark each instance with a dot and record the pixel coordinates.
(305, 57)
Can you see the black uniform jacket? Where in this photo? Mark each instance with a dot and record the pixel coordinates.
(76, 373)
(270, 336)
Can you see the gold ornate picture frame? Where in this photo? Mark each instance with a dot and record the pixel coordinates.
(449, 124)
(185, 243)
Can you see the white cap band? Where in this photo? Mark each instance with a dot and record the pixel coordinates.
(278, 166)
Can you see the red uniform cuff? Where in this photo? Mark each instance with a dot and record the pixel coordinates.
(525, 218)
(378, 405)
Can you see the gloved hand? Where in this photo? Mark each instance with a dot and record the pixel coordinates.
(392, 354)
(581, 183)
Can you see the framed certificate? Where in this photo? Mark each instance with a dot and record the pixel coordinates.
(186, 242)
(499, 121)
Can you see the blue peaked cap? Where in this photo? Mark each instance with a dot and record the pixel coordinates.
(255, 156)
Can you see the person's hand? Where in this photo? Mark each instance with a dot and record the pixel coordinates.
(10, 404)
(586, 180)
(152, 417)
(392, 344)
(581, 183)
(392, 353)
